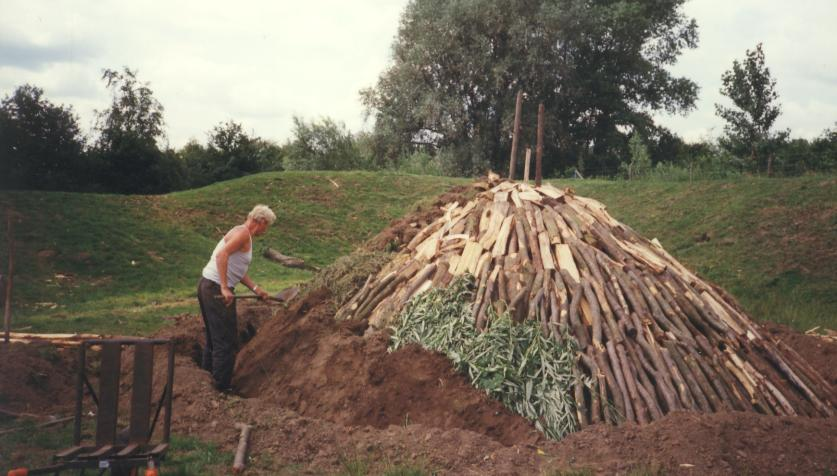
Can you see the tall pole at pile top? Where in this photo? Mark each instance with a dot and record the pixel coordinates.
(517, 106)
(539, 148)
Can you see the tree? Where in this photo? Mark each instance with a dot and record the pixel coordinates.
(233, 153)
(598, 67)
(640, 163)
(322, 145)
(753, 92)
(131, 132)
(41, 146)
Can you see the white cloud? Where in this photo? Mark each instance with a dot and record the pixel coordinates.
(798, 42)
(262, 62)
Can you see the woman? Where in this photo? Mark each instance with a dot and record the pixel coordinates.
(228, 265)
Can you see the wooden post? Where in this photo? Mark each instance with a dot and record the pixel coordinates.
(7, 312)
(526, 165)
(517, 107)
(539, 148)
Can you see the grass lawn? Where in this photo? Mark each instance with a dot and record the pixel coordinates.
(119, 264)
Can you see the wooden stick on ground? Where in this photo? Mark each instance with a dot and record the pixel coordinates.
(241, 451)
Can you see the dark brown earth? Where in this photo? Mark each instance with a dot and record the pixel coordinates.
(320, 394)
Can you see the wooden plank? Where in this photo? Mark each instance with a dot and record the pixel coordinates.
(108, 393)
(530, 195)
(546, 253)
(141, 393)
(498, 215)
(551, 227)
(469, 258)
(460, 236)
(483, 261)
(515, 197)
(721, 312)
(550, 191)
(128, 450)
(644, 255)
(539, 226)
(502, 186)
(566, 261)
(501, 197)
(72, 451)
(500, 245)
(454, 262)
(485, 219)
(428, 248)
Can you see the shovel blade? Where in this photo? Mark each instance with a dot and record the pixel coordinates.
(287, 294)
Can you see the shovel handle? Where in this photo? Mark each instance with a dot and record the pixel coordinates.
(251, 296)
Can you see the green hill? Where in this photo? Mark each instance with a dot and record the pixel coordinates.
(118, 264)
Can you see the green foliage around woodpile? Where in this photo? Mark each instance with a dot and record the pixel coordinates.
(347, 274)
(516, 364)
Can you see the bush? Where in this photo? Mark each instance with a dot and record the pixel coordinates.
(322, 145)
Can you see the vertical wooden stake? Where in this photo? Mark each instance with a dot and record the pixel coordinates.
(539, 148)
(526, 165)
(517, 106)
(7, 312)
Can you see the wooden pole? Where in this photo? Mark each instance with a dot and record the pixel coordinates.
(241, 452)
(539, 148)
(7, 312)
(517, 107)
(526, 165)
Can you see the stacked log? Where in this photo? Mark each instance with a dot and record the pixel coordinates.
(652, 336)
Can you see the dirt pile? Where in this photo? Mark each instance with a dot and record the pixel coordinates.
(304, 360)
(36, 378)
(318, 439)
(718, 443)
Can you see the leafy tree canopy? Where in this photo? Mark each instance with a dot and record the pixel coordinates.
(131, 131)
(41, 146)
(599, 68)
(322, 145)
(752, 90)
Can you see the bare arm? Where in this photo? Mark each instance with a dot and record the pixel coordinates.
(247, 281)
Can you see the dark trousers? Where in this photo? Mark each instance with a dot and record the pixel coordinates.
(221, 326)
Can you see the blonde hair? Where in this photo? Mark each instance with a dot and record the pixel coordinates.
(262, 213)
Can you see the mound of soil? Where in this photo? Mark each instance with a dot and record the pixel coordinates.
(306, 361)
(321, 395)
(36, 378)
(715, 443)
(819, 352)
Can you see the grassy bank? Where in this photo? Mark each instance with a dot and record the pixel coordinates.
(119, 264)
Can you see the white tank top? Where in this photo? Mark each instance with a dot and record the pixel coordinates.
(237, 264)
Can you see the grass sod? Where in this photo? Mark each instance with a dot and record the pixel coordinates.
(118, 264)
(772, 243)
(529, 373)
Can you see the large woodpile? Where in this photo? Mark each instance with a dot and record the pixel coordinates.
(653, 337)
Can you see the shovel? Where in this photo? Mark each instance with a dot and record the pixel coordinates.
(284, 295)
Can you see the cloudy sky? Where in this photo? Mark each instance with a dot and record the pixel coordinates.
(262, 62)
